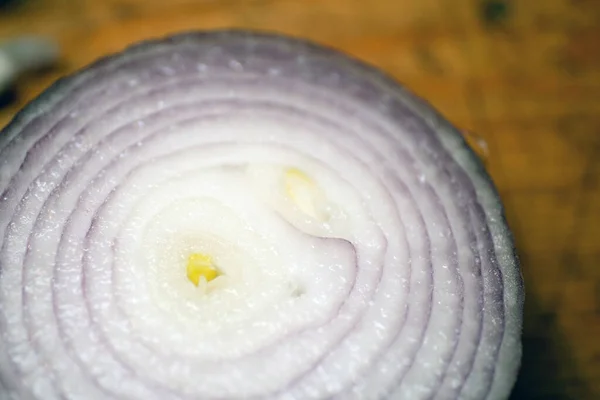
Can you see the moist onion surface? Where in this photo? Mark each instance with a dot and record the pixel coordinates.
(359, 247)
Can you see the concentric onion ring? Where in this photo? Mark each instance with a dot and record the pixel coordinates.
(360, 246)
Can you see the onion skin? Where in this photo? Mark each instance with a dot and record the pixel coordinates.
(424, 298)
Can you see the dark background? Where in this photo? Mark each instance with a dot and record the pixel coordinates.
(523, 75)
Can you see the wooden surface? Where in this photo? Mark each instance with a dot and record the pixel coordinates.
(526, 78)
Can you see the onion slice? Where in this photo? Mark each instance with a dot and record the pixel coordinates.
(233, 214)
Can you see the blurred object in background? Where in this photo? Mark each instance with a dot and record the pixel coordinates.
(22, 55)
(495, 12)
(7, 3)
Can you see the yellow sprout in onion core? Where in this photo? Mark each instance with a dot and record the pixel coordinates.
(200, 266)
(302, 190)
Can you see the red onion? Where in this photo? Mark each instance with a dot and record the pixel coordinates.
(359, 247)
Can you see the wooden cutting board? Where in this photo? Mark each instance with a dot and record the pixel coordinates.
(523, 75)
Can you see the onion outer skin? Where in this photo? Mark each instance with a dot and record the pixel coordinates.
(293, 74)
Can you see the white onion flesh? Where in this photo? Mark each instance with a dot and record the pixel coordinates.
(392, 275)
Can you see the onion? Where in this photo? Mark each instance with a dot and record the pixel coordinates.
(230, 214)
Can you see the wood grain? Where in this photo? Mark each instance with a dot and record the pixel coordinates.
(528, 83)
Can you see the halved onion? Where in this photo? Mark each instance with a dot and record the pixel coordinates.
(229, 214)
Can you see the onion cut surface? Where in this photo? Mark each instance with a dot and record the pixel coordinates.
(229, 214)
